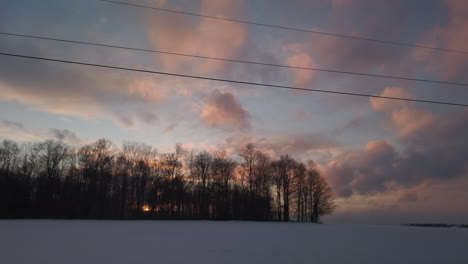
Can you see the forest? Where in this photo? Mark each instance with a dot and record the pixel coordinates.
(52, 179)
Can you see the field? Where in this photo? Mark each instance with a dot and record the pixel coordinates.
(116, 242)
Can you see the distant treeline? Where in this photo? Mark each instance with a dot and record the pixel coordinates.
(51, 179)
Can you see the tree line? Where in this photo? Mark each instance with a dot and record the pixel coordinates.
(51, 179)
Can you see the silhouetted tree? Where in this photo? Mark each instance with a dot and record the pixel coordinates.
(51, 179)
(320, 194)
(223, 174)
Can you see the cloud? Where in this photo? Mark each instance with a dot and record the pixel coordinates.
(302, 78)
(203, 36)
(145, 88)
(223, 110)
(13, 124)
(403, 116)
(159, 3)
(387, 20)
(362, 171)
(387, 105)
(84, 92)
(148, 117)
(170, 128)
(359, 56)
(410, 121)
(353, 55)
(64, 135)
(341, 3)
(300, 115)
(453, 35)
(435, 154)
(430, 149)
(15, 130)
(407, 205)
(300, 145)
(352, 124)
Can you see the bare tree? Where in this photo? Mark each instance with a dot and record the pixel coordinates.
(322, 202)
(284, 177)
(172, 168)
(9, 151)
(139, 158)
(52, 179)
(223, 173)
(300, 187)
(255, 169)
(201, 172)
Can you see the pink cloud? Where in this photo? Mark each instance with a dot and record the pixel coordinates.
(453, 35)
(18, 133)
(100, 95)
(410, 121)
(223, 110)
(147, 89)
(302, 78)
(300, 115)
(432, 150)
(205, 37)
(341, 3)
(222, 8)
(387, 105)
(406, 119)
(274, 146)
(377, 147)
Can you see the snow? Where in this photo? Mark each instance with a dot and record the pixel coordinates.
(116, 242)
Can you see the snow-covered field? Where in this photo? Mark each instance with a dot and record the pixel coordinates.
(116, 242)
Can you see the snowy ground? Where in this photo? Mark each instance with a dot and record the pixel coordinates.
(116, 242)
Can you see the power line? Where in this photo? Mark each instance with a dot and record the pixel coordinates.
(233, 81)
(287, 28)
(234, 60)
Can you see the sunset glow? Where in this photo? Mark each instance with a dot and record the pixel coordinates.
(387, 161)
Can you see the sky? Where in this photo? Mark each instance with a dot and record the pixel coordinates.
(388, 162)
